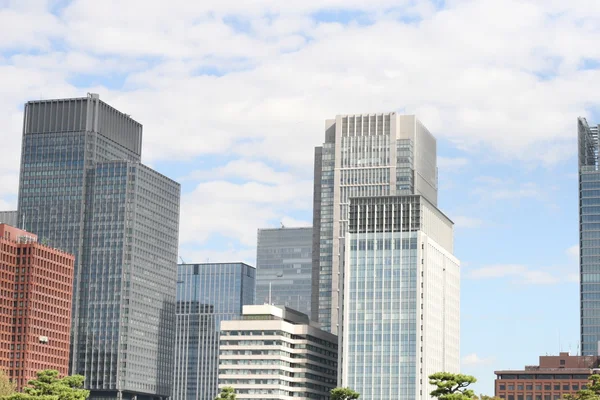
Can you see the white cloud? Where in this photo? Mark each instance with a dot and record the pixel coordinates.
(271, 73)
(448, 163)
(573, 252)
(245, 169)
(461, 221)
(474, 360)
(237, 210)
(521, 274)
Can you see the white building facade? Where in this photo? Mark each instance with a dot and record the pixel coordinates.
(277, 353)
(401, 311)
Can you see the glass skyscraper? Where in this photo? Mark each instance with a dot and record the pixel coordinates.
(363, 155)
(284, 267)
(589, 237)
(206, 295)
(401, 319)
(83, 190)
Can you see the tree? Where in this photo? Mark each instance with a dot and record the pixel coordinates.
(6, 386)
(452, 386)
(227, 393)
(486, 397)
(344, 394)
(48, 386)
(592, 392)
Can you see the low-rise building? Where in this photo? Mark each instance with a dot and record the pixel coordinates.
(554, 377)
(277, 353)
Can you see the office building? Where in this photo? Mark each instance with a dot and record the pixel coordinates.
(284, 268)
(363, 155)
(206, 295)
(277, 353)
(401, 320)
(589, 237)
(83, 189)
(36, 283)
(9, 218)
(554, 377)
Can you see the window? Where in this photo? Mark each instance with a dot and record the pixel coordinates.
(520, 386)
(529, 387)
(502, 386)
(511, 387)
(562, 362)
(556, 387)
(566, 387)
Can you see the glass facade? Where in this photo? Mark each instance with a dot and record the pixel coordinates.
(589, 237)
(9, 218)
(401, 298)
(206, 295)
(284, 267)
(363, 156)
(83, 190)
(382, 310)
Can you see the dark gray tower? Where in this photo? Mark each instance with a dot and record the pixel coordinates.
(83, 189)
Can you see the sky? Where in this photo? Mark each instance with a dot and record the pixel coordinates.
(233, 96)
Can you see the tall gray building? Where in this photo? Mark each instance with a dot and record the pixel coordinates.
(589, 236)
(9, 217)
(362, 156)
(206, 295)
(83, 189)
(284, 267)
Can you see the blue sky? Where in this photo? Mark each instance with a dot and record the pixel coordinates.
(233, 97)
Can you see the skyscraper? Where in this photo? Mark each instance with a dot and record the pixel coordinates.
(363, 155)
(206, 295)
(9, 217)
(284, 267)
(589, 236)
(84, 190)
(401, 319)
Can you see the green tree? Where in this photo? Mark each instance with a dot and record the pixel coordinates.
(48, 386)
(592, 392)
(344, 394)
(452, 386)
(486, 397)
(227, 393)
(6, 386)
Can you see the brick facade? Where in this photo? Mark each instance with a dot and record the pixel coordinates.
(36, 284)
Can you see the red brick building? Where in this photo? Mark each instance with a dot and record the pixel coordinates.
(36, 284)
(553, 378)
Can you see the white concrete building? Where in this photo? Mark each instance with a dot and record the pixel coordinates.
(277, 353)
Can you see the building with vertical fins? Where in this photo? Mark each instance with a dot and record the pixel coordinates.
(206, 295)
(364, 155)
(83, 189)
(36, 289)
(284, 267)
(589, 237)
(9, 217)
(401, 320)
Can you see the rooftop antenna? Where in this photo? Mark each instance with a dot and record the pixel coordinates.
(181, 258)
(282, 227)
(270, 293)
